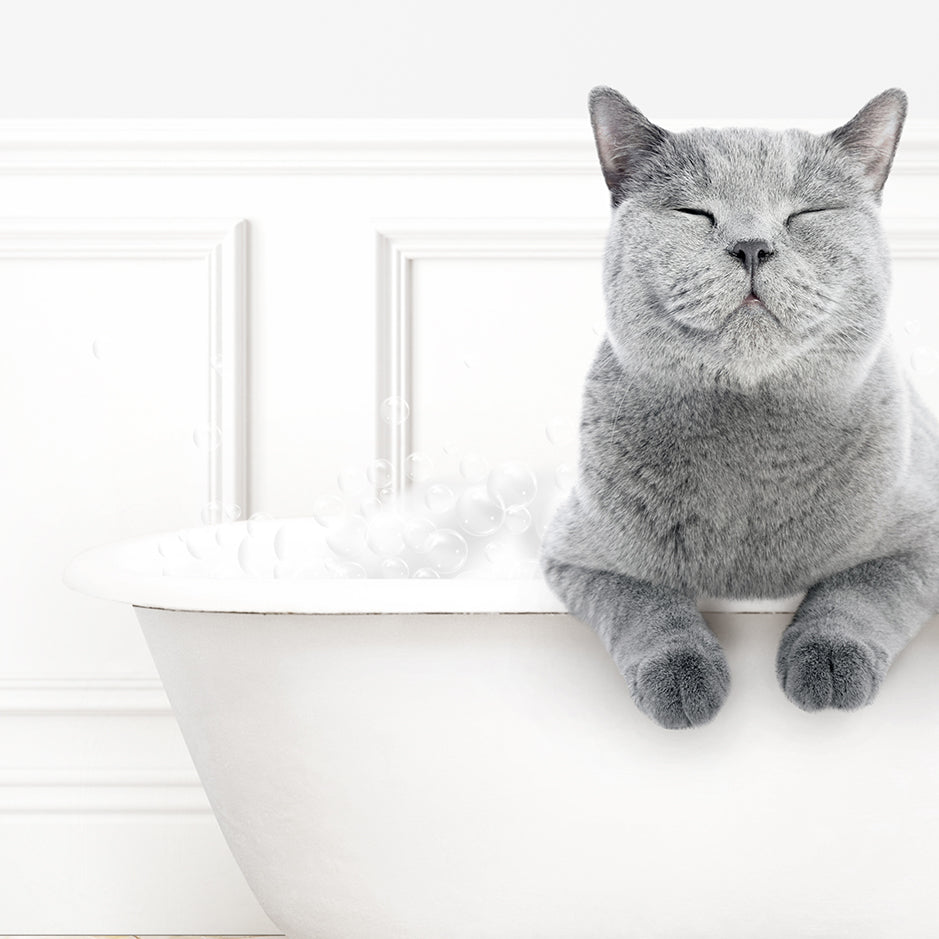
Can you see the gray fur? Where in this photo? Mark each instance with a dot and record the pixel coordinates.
(748, 451)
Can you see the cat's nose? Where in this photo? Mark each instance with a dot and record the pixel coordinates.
(751, 253)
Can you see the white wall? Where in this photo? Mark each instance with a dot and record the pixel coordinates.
(126, 246)
(489, 58)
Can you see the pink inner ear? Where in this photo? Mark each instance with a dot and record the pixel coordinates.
(882, 146)
(612, 151)
(889, 129)
(607, 140)
(873, 140)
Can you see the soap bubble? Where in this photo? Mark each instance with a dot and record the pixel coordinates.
(925, 361)
(177, 567)
(517, 519)
(224, 568)
(173, 547)
(352, 480)
(512, 484)
(504, 555)
(529, 568)
(564, 476)
(295, 541)
(229, 536)
(478, 513)
(447, 551)
(217, 363)
(345, 570)
(215, 511)
(912, 327)
(201, 542)
(394, 410)
(291, 570)
(281, 544)
(417, 532)
(385, 535)
(389, 532)
(497, 550)
(419, 466)
(394, 568)
(475, 574)
(256, 522)
(379, 473)
(207, 437)
(473, 467)
(347, 538)
(439, 498)
(255, 558)
(559, 431)
(548, 513)
(328, 510)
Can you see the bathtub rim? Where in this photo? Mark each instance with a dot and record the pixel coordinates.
(107, 572)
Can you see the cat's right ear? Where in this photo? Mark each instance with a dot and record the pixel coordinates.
(624, 136)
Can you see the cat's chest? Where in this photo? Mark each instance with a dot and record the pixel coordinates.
(711, 495)
(728, 481)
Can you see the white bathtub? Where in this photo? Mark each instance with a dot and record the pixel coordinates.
(460, 759)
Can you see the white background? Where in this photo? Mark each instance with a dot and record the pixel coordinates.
(103, 826)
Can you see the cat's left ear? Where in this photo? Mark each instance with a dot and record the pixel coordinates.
(625, 137)
(872, 135)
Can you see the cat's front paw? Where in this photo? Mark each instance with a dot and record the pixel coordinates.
(682, 686)
(825, 669)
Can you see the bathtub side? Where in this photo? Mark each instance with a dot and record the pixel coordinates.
(486, 776)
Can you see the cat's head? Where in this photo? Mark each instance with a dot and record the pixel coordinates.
(706, 218)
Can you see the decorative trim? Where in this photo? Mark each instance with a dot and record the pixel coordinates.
(356, 146)
(100, 697)
(399, 243)
(221, 244)
(111, 791)
(115, 790)
(912, 238)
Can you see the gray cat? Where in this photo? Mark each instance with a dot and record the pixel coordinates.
(746, 429)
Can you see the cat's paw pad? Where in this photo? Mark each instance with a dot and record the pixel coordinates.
(682, 687)
(829, 670)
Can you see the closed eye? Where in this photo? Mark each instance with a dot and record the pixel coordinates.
(827, 208)
(703, 212)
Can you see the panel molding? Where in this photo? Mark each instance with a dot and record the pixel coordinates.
(221, 244)
(402, 242)
(354, 146)
(910, 238)
(96, 696)
(111, 791)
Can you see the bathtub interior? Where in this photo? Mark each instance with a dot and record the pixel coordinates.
(283, 565)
